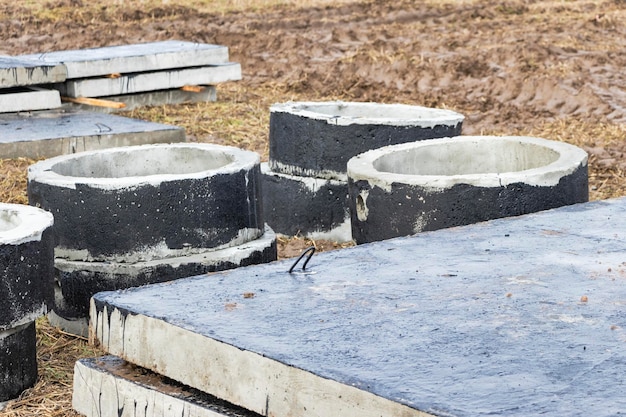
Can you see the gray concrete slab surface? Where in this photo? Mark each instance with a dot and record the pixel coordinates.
(151, 98)
(110, 387)
(52, 133)
(140, 57)
(517, 316)
(20, 99)
(150, 81)
(16, 72)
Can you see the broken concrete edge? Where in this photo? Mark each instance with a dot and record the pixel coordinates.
(349, 113)
(146, 81)
(266, 391)
(147, 56)
(316, 208)
(107, 386)
(377, 166)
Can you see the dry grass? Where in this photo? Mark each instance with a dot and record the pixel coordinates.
(52, 395)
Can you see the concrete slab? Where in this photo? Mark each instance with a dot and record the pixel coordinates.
(149, 56)
(110, 387)
(52, 133)
(150, 81)
(517, 316)
(28, 99)
(151, 98)
(15, 72)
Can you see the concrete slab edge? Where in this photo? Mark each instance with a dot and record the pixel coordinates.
(268, 390)
(110, 387)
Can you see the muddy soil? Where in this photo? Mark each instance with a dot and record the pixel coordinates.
(507, 66)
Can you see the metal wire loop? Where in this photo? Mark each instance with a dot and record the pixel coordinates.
(310, 251)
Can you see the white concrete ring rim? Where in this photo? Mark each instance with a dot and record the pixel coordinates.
(20, 223)
(367, 113)
(218, 159)
(565, 160)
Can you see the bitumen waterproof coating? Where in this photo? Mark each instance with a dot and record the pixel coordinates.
(516, 316)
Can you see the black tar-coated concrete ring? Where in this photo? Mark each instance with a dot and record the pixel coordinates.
(149, 202)
(77, 282)
(309, 206)
(316, 139)
(18, 361)
(410, 188)
(27, 259)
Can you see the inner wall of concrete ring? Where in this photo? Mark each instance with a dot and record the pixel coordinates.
(406, 189)
(149, 202)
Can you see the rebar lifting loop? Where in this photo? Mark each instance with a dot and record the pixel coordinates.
(310, 250)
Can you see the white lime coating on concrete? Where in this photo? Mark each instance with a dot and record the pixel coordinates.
(150, 256)
(28, 99)
(488, 161)
(341, 233)
(245, 378)
(133, 166)
(20, 71)
(311, 183)
(348, 113)
(21, 223)
(133, 58)
(148, 81)
(277, 167)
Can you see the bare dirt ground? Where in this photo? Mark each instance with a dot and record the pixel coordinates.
(553, 69)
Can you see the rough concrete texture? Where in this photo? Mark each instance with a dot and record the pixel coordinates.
(140, 203)
(53, 133)
(27, 260)
(318, 139)
(28, 99)
(151, 98)
(517, 316)
(18, 361)
(16, 72)
(77, 282)
(138, 82)
(109, 387)
(134, 58)
(410, 188)
(313, 207)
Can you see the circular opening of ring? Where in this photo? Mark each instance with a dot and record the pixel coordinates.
(141, 162)
(9, 220)
(369, 111)
(463, 157)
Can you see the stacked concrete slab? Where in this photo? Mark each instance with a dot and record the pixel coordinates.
(517, 316)
(21, 82)
(140, 74)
